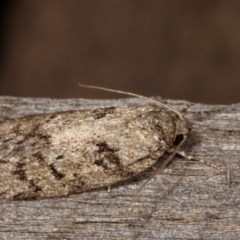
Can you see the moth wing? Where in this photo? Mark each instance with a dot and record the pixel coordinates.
(55, 155)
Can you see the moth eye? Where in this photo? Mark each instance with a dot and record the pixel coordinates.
(178, 139)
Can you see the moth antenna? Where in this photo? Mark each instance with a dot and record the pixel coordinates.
(129, 94)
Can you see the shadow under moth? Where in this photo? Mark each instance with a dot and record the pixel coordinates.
(54, 155)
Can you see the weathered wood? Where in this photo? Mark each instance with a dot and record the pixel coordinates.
(189, 200)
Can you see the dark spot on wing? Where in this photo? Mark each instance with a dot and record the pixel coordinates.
(58, 175)
(60, 156)
(45, 137)
(102, 112)
(99, 162)
(107, 157)
(20, 171)
(38, 156)
(114, 159)
(34, 187)
(104, 147)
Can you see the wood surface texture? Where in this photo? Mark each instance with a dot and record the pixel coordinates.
(188, 200)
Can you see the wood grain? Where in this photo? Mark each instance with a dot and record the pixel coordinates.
(189, 200)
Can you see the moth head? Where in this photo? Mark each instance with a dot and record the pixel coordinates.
(183, 128)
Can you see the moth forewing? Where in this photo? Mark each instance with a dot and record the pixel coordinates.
(54, 155)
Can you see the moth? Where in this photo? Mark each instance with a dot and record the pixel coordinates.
(55, 155)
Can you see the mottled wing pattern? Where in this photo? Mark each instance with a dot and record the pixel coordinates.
(58, 154)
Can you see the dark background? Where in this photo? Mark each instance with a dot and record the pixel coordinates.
(176, 49)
